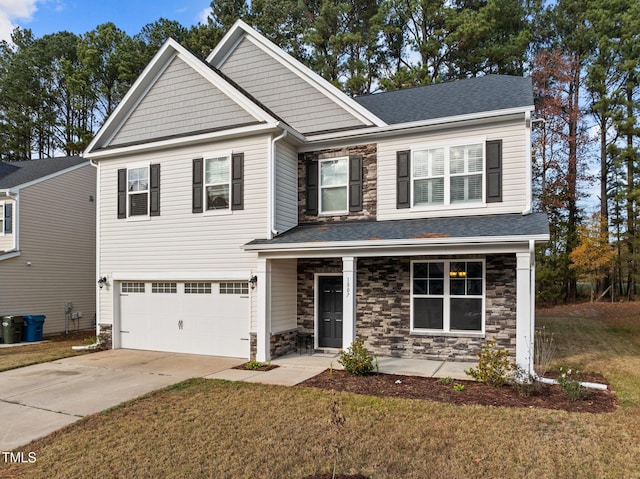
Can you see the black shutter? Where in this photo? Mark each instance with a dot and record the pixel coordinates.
(122, 193)
(403, 188)
(355, 183)
(8, 218)
(494, 171)
(154, 190)
(198, 194)
(312, 187)
(237, 181)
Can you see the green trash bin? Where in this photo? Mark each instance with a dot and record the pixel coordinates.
(12, 329)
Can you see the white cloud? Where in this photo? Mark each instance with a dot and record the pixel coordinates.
(11, 10)
(202, 17)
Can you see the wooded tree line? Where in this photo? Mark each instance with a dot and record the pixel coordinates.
(56, 91)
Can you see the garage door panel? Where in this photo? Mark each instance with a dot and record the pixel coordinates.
(190, 318)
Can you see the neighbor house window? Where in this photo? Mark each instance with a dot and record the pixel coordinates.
(217, 182)
(443, 176)
(1, 219)
(447, 296)
(334, 185)
(138, 191)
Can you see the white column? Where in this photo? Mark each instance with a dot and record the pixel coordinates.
(348, 301)
(524, 311)
(263, 326)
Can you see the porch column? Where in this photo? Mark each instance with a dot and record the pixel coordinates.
(524, 311)
(263, 305)
(349, 268)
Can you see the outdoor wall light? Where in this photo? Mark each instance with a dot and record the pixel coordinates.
(253, 281)
(102, 281)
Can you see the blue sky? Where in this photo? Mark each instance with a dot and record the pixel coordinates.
(81, 16)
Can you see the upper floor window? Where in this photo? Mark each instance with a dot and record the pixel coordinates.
(334, 185)
(139, 191)
(2, 220)
(443, 176)
(217, 182)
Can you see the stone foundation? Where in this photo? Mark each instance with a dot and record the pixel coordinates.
(106, 335)
(384, 307)
(283, 343)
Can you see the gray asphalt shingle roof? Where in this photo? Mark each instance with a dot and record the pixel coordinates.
(15, 173)
(531, 225)
(459, 97)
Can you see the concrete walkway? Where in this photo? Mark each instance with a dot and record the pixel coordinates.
(37, 400)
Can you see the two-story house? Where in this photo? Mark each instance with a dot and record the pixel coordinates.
(245, 202)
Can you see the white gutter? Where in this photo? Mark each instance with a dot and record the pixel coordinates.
(97, 167)
(272, 186)
(393, 242)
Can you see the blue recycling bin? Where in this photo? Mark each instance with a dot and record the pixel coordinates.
(33, 324)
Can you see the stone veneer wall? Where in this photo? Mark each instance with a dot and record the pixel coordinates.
(384, 307)
(369, 155)
(280, 344)
(106, 335)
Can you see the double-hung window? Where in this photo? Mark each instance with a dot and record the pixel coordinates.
(217, 182)
(334, 185)
(447, 296)
(448, 175)
(138, 191)
(1, 218)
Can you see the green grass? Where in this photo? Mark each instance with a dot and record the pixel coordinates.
(220, 429)
(56, 347)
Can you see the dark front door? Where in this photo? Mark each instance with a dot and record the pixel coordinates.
(330, 312)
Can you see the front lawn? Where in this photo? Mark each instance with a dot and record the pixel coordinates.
(215, 429)
(55, 347)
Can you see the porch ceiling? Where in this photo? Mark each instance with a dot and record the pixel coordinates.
(455, 231)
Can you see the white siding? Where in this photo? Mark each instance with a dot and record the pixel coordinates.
(296, 101)
(57, 235)
(286, 187)
(7, 240)
(284, 295)
(181, 101)
(514, 169)
(179, 241)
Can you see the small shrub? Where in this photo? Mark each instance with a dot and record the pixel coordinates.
(524, 382)
(544, 350)
(357, 359)
(569, 380)
(458, 387)
(448, 380)
(493, 365)
(253, 364)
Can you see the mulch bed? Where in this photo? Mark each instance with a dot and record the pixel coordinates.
(432, 389)
(264, 367)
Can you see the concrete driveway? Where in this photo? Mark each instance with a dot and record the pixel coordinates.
(37, 400)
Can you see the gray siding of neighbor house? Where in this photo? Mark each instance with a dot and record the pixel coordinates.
(180, 102)
(58, 237)
(289, 96)
(384, 308)
(369, 155)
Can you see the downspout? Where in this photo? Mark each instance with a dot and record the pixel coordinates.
(584, 384)
(272, 184)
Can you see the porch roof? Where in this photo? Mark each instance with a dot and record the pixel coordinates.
(455, 230)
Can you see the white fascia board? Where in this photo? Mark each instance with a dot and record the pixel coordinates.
(415, 126)
(180, 276)
(17, 188)
(148, 78)
(228, 43)
(365, 251)
(9, 255)
(354, 246)
(187, 140)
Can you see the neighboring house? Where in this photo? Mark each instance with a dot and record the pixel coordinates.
(47, 241)
(246, 203)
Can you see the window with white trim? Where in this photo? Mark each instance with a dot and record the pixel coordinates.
(448, 175)
(217, 182)
(447, 296)
(334, 185)
(1, 218)
(138, 191)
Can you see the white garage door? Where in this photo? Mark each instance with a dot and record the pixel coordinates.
(186, 317)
